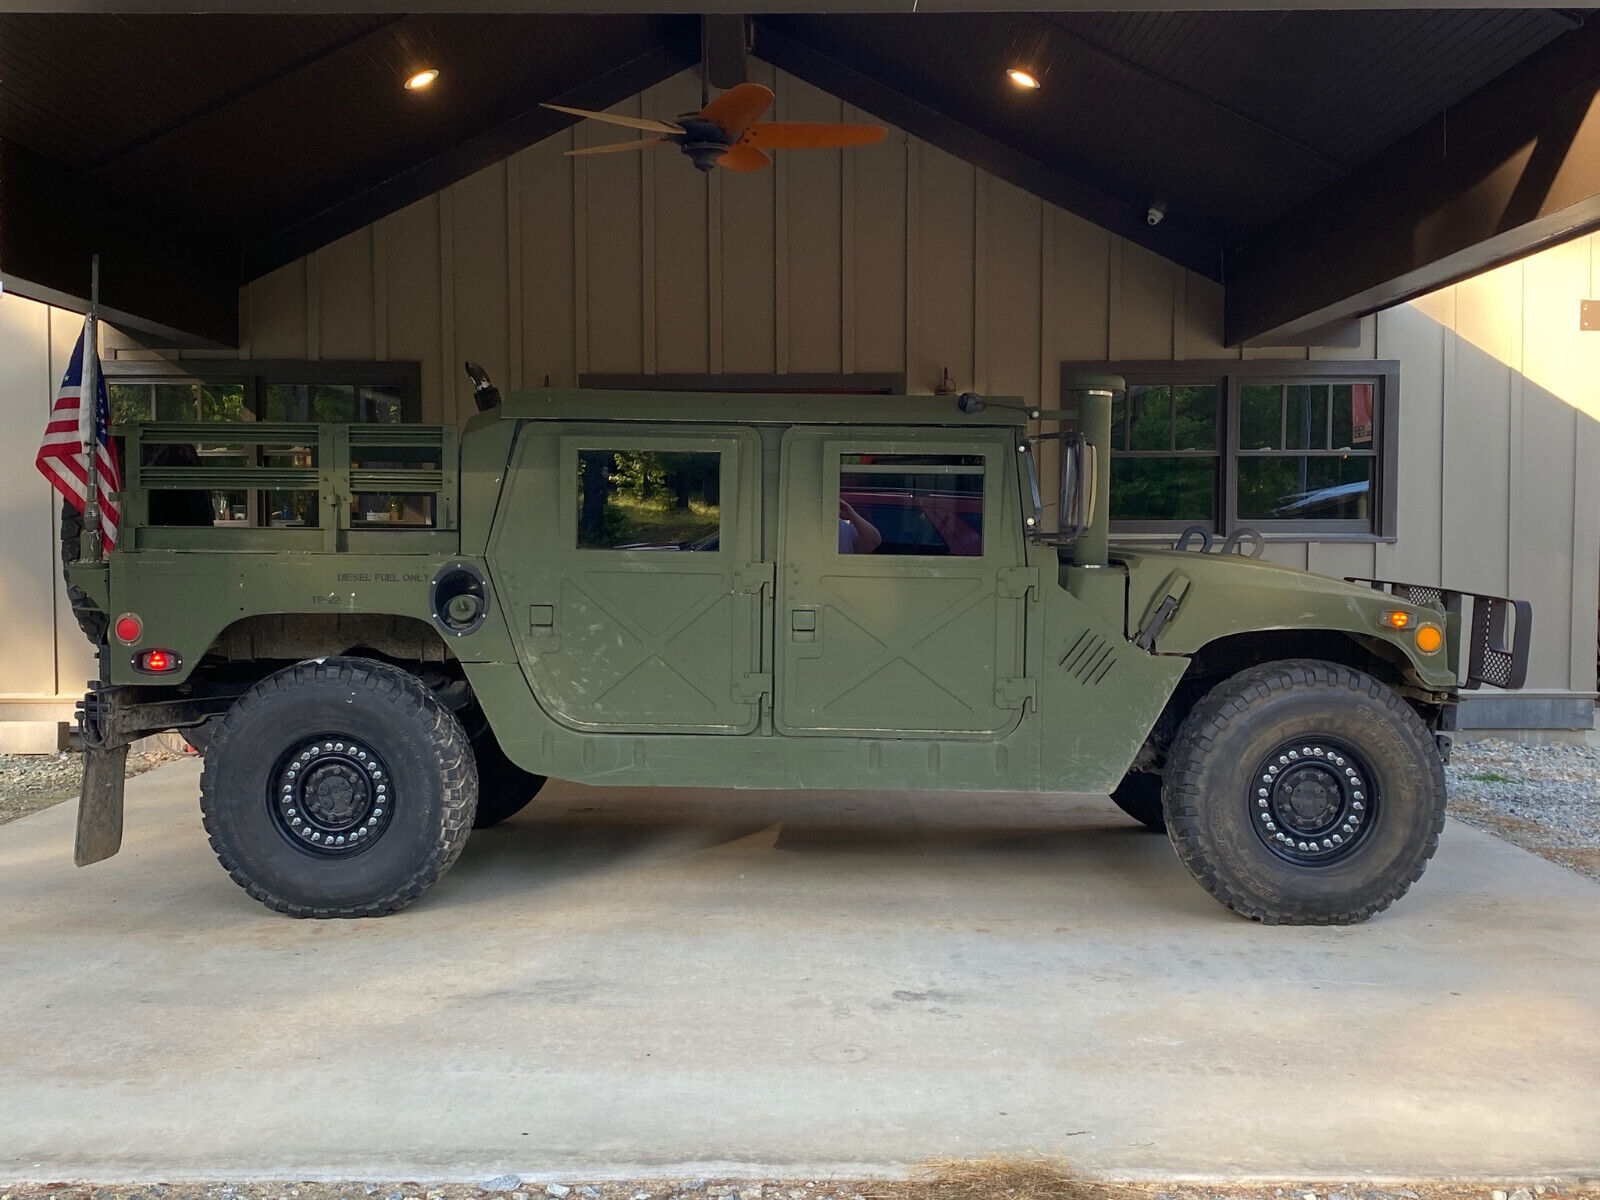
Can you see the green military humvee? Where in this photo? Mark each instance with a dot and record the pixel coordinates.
(409, 631)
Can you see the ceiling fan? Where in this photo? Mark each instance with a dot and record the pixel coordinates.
(728, 131)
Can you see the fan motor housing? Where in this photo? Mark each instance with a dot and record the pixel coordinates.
(704, 141)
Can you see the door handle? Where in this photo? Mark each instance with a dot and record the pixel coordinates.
(803, 624)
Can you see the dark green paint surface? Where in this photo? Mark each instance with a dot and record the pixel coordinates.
(762, 656)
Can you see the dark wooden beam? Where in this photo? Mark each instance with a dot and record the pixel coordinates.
(725, 42)
(161, 279)
(470, 155)
(1124, 217)
(1510, 170)
(745, 6)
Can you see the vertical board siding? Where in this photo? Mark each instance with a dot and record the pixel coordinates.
(479, 283)
(901, 257)
(1008, 339)
(682, 255)
(27, 540)
(878, 223)
(613, 250)
(944, 270)
(813, 199)
(1477, 499)
(1418, 342)
(412, 293)
(546, 263)
(1542, 481)
(345, 288)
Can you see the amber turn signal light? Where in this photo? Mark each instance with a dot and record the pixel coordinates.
(1429, 638)
(1395, 619)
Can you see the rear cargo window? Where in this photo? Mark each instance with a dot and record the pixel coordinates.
(649, 500)
(926, 504)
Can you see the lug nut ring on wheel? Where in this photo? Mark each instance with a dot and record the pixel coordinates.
(331, 796)
(1312, 801)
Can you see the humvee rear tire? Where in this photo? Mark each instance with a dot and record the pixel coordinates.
(1304, 793)
(504, 789)
(1139, 795)
(338, 788)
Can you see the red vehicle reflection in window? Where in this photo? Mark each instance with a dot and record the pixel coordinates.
(922, 522)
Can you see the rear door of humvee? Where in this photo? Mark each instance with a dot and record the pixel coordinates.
(628, 557)
(901, 615)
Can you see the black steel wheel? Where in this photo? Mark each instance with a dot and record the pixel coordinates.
(1139, 795)
(331, 795)
(1315, 801)
(338, 788)
(1304, 792)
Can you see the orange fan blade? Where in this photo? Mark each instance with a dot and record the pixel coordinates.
(803, 135)
(744, 157)
(737, 107)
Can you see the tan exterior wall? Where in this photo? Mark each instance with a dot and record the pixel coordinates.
(44, 660)
(900, 257)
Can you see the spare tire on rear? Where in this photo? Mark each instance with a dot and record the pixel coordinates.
(90, 619)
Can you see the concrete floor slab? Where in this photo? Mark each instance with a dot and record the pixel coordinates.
(624, 981)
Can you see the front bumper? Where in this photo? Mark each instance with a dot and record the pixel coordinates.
(1490, 659)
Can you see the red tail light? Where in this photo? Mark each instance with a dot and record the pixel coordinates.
(157, 662)
(129, 628)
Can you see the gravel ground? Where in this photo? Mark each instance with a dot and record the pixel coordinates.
(1543, 798)
(953, 1181)
(30, 782)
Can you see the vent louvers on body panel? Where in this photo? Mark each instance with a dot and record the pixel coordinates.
(1090, 658)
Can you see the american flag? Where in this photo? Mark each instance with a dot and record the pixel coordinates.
(61, 457)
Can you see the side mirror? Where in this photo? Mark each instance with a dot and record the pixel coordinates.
(1078, 485)
(1079, 482)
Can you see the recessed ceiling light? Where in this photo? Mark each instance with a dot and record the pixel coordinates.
(1022, 78)
(425, 78)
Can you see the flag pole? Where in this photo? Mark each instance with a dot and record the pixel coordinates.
(88, 420)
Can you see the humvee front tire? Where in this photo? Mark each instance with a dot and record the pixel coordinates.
(1139, 795)
(1305, 793)
(338, 788)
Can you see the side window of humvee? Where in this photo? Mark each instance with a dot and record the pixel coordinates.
(649, 500)
(911, 504)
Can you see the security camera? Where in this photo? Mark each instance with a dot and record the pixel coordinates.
(1157, 211)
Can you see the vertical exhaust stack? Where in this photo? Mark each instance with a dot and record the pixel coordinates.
(1094, 394)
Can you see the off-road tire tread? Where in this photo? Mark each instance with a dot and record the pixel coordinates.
(91, 620)
(1211, 717)
(458, 776)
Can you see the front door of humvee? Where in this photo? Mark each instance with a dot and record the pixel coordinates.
(899, 558)
(629, 565)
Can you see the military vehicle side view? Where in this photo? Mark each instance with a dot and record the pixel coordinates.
(411, 629)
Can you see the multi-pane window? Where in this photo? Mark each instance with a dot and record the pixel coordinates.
(1296, 449)
(1306, 452)
(350, 393)
(1166, 459)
